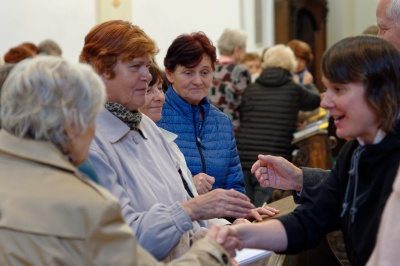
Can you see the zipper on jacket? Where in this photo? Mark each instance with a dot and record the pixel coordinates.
(198, 143)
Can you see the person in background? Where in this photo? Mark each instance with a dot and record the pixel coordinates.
(231, 77)
(49, 109)
(288, 176)
(304, 57)
(268, 116)
(32, 47)
(253, 62)
(17, 54)
(205, 134)
(49, 47)
(362, 77)
(388, 21)
(372, 30)
(131, 157)
(302, 76)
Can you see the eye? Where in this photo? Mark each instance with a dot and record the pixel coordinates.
(338, 89)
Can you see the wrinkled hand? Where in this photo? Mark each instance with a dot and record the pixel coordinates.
(203, 183)
(258, 212)
(230, 243)
(218, 203)
(277, 172)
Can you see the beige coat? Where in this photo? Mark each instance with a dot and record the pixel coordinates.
(51, 215)
(386, 251)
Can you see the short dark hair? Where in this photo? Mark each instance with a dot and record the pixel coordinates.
(374, 62)
(188, 50)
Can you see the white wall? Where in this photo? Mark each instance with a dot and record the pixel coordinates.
(65, 21)
(349, 17)
(164, 20)
(68, 21)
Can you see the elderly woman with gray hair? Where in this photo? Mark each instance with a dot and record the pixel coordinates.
(50, 213)
(268, 115)
(231, 77)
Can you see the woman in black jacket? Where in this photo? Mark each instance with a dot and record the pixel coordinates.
(362, 79)
(268, 115)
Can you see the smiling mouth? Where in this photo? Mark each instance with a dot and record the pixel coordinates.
(338, 118)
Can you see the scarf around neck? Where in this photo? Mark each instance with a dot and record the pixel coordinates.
(130, 118)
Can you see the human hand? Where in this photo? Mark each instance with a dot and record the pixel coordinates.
(218, 203)
(231, 244)
(257, 213)
(277, 172)
(241, 221)
(203, 183)
(296, 79)
(308, 78)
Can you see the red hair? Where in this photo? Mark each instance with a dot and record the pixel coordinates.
(113, 40)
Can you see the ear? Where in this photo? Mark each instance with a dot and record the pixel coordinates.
(71, 124)
(70, 132)
(236, 50)
(105, 75)
(169, 76)
(236, 53)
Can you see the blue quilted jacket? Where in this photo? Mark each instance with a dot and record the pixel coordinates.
(209, 146)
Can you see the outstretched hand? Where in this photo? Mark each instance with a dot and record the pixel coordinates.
(277, 172)
(230, 243)
(219, 203)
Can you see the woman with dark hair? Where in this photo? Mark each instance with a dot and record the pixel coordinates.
(362, 78)
(131, 157)
(205, 134)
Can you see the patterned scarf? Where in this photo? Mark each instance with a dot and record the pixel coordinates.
(131, 119)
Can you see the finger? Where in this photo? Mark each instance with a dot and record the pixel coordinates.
(223, 234)
(212, 232)
(255, 166)
(208, 186)
(256, 215)
(232, 244)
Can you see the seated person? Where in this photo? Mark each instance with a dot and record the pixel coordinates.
(131, 157)
(201, 183)
(50, 213)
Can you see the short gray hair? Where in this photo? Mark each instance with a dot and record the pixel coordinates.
(279, 55)
(393, 11)
(230, 39)
(43, 96)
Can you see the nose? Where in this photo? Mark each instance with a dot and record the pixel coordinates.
(159, 95)
(197, 80)
(326, 102)
(145, 74)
